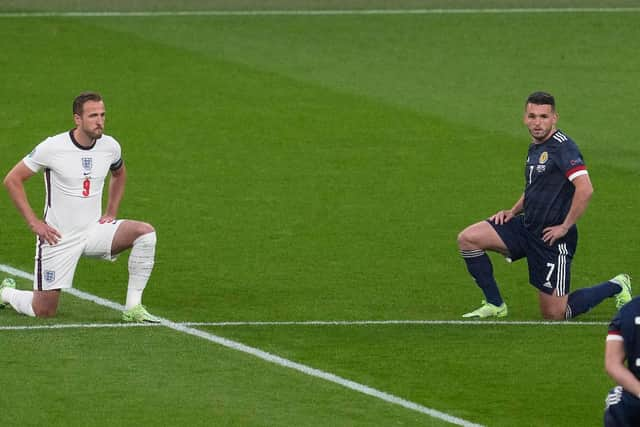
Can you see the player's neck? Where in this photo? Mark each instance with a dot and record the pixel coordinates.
(82, 138)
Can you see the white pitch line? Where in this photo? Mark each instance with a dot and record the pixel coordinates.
(401, 322)
(317, 373)
(76, 326)
(319, 12)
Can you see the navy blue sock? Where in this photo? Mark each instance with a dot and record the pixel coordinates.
(480, 268)
(585, 299)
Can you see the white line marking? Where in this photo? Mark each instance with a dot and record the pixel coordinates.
(361, 388)
(77, 326)
(400, 322)
(318, 12)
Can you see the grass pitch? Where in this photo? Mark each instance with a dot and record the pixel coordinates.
(319, 168)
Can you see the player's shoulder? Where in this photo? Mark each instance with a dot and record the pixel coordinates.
(561, 140)
(559, 143)
(54, 143)
(631, 308)
(627, 317)
(560, 137)
(108, 141)
(108, 144)
(61, 138)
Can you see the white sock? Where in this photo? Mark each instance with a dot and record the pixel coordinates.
(141, 262)
(19, 300)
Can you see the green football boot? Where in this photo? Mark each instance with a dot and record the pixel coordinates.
(488, 310)
(8, 282)
(139, 314)
(624, 296)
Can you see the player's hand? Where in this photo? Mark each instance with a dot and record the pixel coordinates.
(501, 217)
(107, 218)
(45, 232)
(551, 234)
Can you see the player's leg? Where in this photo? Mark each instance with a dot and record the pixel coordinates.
(45, 303)
(550, 272)
(584, 299)
(473, 242)
(19, 300)
(481, 236)
(141, 238)
(54, 269)
(621, 409)
(128, 232)
(553, 307)
(110, 239)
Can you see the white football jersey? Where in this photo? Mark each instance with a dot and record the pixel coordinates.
(74, 177)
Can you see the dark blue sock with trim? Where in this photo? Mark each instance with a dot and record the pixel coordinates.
(583, 300)
(481, 269)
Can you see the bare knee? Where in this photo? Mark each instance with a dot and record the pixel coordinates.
(553, 307)
(45, 311)
(127, 234)
(553, 316)
(554, 313)
(45, 303)
(143, 228)
(469, 238)
(462, 239)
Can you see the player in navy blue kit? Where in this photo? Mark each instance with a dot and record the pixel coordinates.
(623, 344)
(541, 225)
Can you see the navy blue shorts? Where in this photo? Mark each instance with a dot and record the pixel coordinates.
(623, 409)
(549, 266)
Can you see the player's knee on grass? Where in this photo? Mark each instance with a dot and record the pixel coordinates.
(45, 303)
(553, 313)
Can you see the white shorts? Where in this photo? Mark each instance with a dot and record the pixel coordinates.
(55, 265)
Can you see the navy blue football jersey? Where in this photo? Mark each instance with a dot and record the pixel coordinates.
(551, 166)
(626, 324)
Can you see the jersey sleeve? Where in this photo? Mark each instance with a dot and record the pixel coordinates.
(615, 328)
(117, 161)
(38, 158)
(571, 161)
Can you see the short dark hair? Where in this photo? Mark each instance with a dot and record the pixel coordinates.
(80, 100)
(541, 98)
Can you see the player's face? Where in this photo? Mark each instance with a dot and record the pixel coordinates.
(541, 121)
(91, 122)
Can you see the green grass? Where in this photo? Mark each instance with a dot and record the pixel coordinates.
(251, 5)
(319, 168)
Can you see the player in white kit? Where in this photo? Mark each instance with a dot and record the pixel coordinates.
(75, 165)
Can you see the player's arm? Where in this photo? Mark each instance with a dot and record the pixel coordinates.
(14, 181)
(116, 191)
(506, 215)
(614, 365)
(579, 203)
